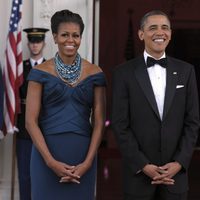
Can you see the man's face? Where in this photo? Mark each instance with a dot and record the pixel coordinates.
(156, 34)
(36, 48)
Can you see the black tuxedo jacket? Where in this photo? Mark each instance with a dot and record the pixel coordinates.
(23, 92)
(142, 136)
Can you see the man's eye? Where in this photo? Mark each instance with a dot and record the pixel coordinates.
(152, 28)
(165, 28)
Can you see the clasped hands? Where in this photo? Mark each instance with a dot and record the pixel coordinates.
(162, 174)
(68, 173)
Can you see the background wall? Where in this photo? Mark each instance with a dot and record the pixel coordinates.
(114, 36)
(114, 19)
(114, 27)
(27, 20)
(7, 143)
(37, 13)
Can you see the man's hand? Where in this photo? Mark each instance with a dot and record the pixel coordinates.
(151, 170)
(158, 175)
(172, 169)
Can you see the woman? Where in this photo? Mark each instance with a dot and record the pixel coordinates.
(62, 92)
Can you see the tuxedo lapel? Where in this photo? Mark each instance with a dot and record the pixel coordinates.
(171, 82)
(144, 81)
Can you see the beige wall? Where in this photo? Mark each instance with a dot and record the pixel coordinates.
(6, 144)
(5, 9)
(37, 13)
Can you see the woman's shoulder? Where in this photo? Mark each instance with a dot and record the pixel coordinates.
(41, 71)
(90, 68)
(47, 66)
(94, 73)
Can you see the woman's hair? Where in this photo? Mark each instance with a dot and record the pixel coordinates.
(152, 13)
(65, 16)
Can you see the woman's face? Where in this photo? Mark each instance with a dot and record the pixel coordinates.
(68, 39)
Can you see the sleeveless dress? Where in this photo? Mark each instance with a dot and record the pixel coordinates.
(65, 123)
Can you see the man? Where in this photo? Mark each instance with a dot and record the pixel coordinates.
(36, 43)
(155, 116)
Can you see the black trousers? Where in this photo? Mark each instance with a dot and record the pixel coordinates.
(24, 147)
(161, 193)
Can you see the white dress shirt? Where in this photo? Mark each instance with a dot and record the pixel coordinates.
(38, 61)
(157, 75)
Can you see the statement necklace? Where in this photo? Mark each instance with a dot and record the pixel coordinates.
(68, 73)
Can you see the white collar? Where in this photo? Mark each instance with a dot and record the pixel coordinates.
(38, 61)
(148, 55)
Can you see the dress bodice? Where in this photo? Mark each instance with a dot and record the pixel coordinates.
(66, 108)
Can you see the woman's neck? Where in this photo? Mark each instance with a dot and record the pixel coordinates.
(68, 60)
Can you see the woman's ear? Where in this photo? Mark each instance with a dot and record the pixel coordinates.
(55, 38)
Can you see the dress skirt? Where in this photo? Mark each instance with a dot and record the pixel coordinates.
(70, 148)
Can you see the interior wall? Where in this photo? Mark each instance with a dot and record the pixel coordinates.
(114, 19)
(114, 23)
(7, 143)
(37, 13)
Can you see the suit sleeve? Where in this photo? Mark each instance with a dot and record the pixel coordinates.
(191, 123)
(131, 155)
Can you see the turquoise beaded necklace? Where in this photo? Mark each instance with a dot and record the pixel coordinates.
(68, 73)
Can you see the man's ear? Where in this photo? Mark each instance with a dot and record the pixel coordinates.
(171, 34)
(141, 34)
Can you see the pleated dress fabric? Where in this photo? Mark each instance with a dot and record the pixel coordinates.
(65, 123)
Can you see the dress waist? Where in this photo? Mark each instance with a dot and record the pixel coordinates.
(84, 129)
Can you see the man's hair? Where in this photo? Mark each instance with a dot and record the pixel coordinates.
(152, 13)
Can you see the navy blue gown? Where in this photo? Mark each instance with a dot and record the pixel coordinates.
(65, 123)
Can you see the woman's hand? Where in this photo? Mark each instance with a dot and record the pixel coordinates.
(64, 170)
(78, 171)
(81, 169)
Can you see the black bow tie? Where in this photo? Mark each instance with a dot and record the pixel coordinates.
(151, 62)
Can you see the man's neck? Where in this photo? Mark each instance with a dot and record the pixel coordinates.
(36, 57)
(155, 55)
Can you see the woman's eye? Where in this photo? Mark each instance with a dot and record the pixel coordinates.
(76, 36)
(64, 35)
